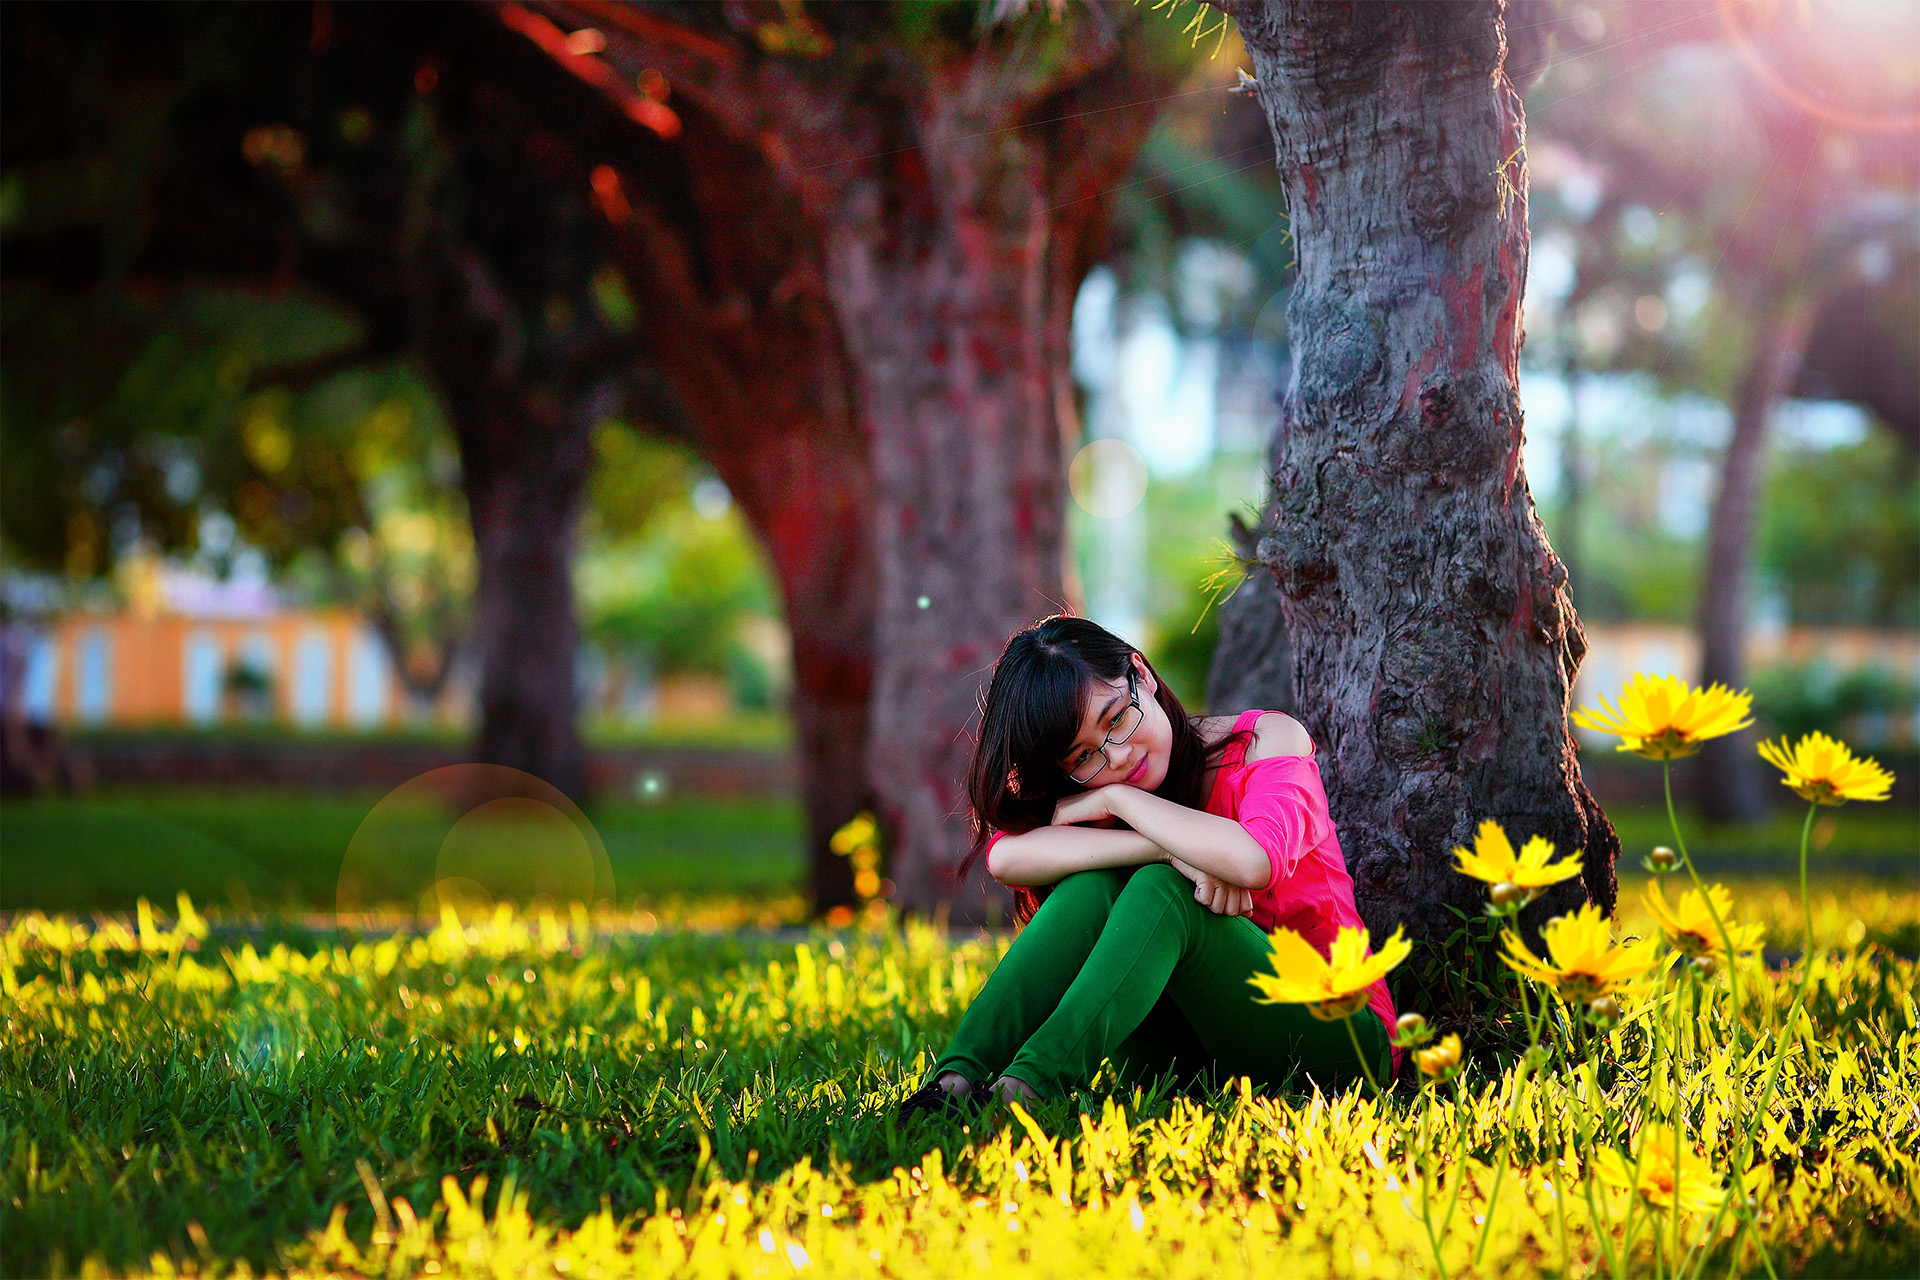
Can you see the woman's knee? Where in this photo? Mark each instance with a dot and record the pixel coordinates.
(1099, 886)
(1158, 880)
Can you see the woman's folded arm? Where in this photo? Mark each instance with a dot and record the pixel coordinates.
(1047, 855)
(1218, 846)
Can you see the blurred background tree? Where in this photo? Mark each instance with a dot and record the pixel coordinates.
(1728, 179)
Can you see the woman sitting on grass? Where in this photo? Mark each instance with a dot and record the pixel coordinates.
(1149, 853)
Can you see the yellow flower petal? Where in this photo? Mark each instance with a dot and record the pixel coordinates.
(1825, 770)
(1664, 718)
(1665, 1175)
(1585, 963)
(1494, 861)
(1301, 976)
(1689, 923)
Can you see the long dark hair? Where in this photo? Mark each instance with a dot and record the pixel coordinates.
(1031, 716)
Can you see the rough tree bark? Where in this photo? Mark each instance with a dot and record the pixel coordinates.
(1434, 642)
(949, 201)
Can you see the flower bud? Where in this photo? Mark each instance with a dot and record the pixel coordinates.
(1663, 859)
(1508, 896)
(1411, 1029)
(1604, 1010)
(1705, 965)
(1440, 1061)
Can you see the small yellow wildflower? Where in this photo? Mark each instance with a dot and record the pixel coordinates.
(1663, 1179)
(1334, 989)
(1493, 860)
(1441, 1060)
(1586, 965)
(1689, 924)
(1825, 771)
(1665, 718)
(861, 831)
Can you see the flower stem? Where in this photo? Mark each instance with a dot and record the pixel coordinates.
(1426, 1214)
(1789, 1033)
(1361, 1054)
(1506, 1148)
(1461, 1115)
(1806, 902)
(1582, 1113)
(1726, 937)
(1679, 1102)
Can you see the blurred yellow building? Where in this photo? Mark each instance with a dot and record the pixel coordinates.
(311, 668)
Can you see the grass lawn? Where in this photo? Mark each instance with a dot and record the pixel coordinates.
(275, 849)
(511, 1097)
(518, 1095)
(270, 849)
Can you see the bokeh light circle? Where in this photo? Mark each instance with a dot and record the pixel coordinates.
(471, 836)
(1108, 478)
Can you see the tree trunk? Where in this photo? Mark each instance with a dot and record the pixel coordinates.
(726, 271)
(525, 475)
(955, 328)
(940, 214)
(1434, 644)
(1728, 784)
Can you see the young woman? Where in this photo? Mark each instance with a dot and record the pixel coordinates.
(1149, 853)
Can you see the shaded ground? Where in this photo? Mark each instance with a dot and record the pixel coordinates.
(272, 849)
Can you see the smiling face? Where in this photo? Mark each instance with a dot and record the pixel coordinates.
(1140, 761)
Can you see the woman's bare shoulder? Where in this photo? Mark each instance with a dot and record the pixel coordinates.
(1278, 734)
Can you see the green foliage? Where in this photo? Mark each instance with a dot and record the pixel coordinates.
(1868, 705)
(1185, 638)
(661, 581)
(1840, 533)
(126, 404)
(512, 1095)
(634, 477)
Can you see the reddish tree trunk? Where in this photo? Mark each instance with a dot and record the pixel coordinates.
(936, 217)
(1728, 782)
(1434, 643)
(726, 273)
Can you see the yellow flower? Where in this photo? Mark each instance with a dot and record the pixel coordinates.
(1586, 965)
(1662, 1178)
(1665, 718)
(1689, 924)
(1494, 861)
(1442, 1059)
(1826, 772)
(861, 831)
(1330, 990)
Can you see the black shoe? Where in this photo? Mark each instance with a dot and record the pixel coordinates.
(931, 1099)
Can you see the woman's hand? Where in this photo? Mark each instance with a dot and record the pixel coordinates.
(1086, 809)
(1213, 893)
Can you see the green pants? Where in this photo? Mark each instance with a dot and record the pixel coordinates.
(1122, 965)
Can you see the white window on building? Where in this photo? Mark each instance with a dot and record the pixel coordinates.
(368, 674)
(259, 662)
(41, 679)
(93, 694)
(312, 692)
(200, 678)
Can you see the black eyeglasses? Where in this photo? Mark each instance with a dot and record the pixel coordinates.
(1088, 767)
